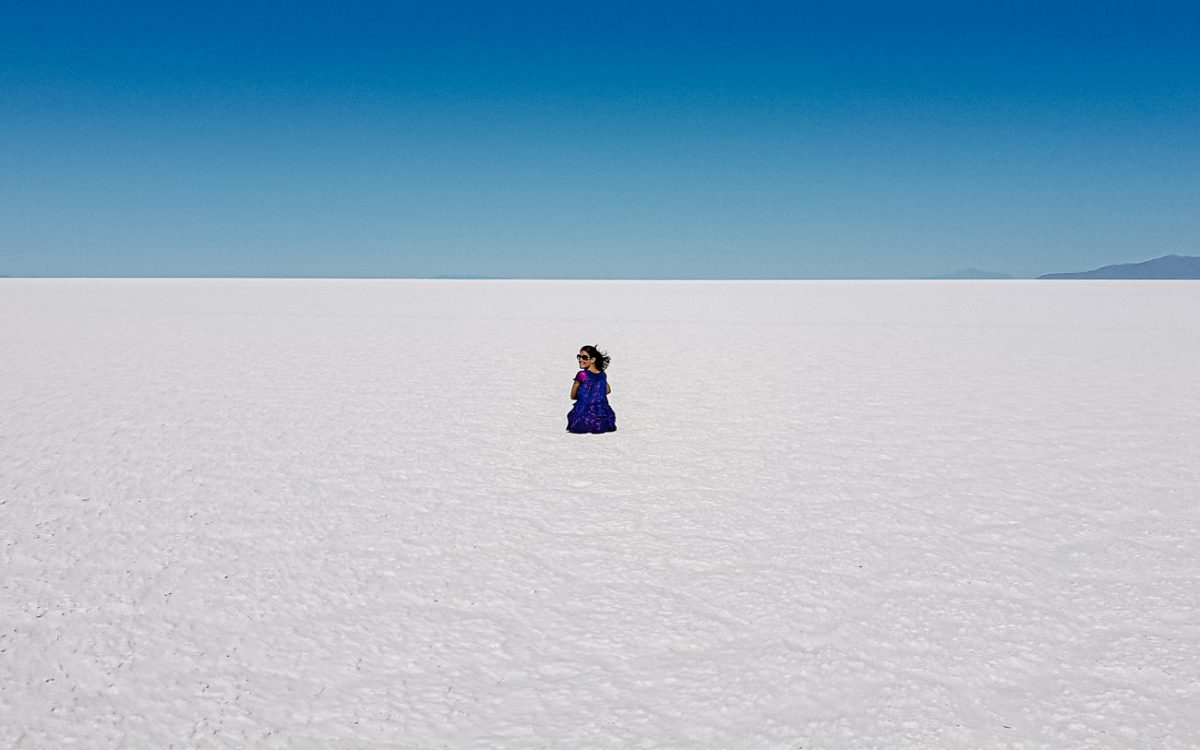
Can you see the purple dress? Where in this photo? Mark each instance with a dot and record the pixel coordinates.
(591, 412)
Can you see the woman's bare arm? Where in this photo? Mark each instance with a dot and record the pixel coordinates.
(575, 390)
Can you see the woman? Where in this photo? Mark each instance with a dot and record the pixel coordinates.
(590, 390)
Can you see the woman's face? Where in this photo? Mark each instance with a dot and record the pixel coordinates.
(585, 360)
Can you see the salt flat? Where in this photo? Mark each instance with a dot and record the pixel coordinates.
(318, 514)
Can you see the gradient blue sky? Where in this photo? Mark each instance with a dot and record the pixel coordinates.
(595, 139)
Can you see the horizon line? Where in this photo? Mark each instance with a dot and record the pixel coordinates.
(506, 278)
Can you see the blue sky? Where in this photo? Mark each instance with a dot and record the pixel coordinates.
(596, 139)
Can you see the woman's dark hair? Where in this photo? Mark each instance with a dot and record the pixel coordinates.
(601, 359)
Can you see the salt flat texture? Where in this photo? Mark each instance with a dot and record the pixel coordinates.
(346, 514)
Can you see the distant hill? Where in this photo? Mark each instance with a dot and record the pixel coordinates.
(1166, 267)
(972, 273)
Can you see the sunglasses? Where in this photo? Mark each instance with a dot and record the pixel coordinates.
(583, 357)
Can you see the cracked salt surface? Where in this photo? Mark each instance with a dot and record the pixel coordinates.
(312, 514)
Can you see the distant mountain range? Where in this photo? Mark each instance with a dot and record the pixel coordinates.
(1166, 267)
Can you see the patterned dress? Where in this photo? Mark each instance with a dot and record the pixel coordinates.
(591, 412)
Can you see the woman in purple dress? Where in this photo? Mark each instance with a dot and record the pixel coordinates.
(590, 390)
